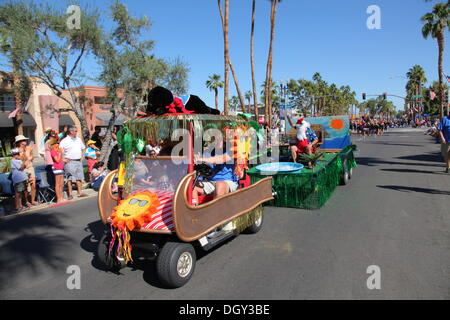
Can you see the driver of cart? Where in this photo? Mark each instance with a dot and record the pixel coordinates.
(223, 181)
(307, 139)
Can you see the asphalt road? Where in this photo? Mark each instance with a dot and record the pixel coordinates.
(394, 214)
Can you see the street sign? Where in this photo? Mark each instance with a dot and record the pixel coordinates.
(418, 96)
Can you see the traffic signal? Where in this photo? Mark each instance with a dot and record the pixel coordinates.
(364, 96)
(385, 96)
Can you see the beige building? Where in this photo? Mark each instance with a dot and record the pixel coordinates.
(42, 111)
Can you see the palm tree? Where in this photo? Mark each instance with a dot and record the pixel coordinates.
(224, 18)
(417, 78)
(213, 84)
(268, 102)
(248, 97)
(252, 60)
(435, 24)
(227, 55)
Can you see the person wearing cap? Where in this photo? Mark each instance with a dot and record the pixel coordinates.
(27, 157)
(91, 154)
(19, 179)
(73, 155)
(306, 138)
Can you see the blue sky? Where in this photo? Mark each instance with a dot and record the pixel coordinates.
(326, 36)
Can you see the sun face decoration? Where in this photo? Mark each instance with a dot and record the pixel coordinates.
(135, 211)
(337, 124)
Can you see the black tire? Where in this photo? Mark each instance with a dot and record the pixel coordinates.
(345, 179)
(350, 173)
(109, 262)
(175, 264)
(256, 226)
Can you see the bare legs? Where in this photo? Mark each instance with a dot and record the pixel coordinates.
(18, 199)
(59, 184)
(222, 188)
(32, 183)
(294, 152)
(69, 189)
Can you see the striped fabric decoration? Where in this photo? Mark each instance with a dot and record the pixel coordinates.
(163, 219)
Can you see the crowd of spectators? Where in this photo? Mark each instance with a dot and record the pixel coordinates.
(65, 155)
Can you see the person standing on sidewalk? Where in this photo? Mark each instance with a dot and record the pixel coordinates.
(91, 154)
(19, 179)
(73, 155)
(444, 132)
(57, 168)
(27, 157)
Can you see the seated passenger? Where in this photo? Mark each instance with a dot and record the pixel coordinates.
(152, 149)
(223, 181)
(306, 139)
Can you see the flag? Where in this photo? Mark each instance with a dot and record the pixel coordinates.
(13, 114)
(448, 78)
(432, 95)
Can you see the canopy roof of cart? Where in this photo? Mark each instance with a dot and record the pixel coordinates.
(162, 127)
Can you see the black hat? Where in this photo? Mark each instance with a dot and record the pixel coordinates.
(158, 98)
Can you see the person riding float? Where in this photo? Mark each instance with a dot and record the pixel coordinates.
(223, 180)
(306, 138)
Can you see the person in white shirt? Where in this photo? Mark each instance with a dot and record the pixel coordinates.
(152, 149)
(73, 155)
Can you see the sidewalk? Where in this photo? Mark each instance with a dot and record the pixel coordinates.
(7, 206)
(89, 192)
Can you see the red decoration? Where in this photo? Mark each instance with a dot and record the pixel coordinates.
(177, 103)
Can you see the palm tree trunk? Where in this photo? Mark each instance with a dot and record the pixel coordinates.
(226, 54)
(268, 88)
(270, 59)
(252, 61)
(236, 83)
(441, 44)
(17, 120)
(216, 92)
(227, 57)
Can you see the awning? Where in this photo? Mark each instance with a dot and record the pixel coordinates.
(103, 119)
(5, 122)
(65, 120)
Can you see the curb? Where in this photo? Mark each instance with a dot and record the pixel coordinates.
(55, 205)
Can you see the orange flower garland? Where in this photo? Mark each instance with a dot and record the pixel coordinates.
(131, 213)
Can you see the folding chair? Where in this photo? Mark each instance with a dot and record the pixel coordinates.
(7, 194)
(45, 192)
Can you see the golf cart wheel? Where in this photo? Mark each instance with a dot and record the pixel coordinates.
(176, 263)
(350, 173)
(345, 175)
(109, 261)
(256, 226)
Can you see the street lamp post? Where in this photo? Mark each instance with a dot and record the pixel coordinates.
(283, 92)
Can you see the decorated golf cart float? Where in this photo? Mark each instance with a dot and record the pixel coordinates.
(152, 215)
(310, 188)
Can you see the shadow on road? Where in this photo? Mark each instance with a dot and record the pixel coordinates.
(415, 189)
(411, 171)
(95, 232)
(30, 242)
(432, 157)
(374, 162)
(394, 144)
(149, 266)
